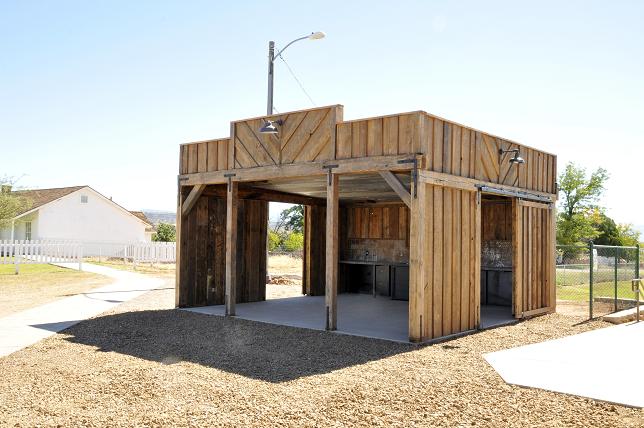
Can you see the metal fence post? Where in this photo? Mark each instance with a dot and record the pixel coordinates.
(637, 262)
(590, 284)
(616, 250)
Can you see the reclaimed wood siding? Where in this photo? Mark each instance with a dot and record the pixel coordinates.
(204, 156)
(534, 257)
(304, 136)
(454, 149)
(314, 255)
(379, 136)
(444, 262)
(378, 222)
(202, 267)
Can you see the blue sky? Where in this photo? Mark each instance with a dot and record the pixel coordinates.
(102, 93)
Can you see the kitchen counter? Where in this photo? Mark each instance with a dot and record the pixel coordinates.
(373, 263)
(393, 281)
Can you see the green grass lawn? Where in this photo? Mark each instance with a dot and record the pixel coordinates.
(580, 292)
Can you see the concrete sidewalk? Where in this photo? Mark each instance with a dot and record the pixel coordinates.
(603, 364)
(25, 328)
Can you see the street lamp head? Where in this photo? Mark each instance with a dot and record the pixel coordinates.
(317, 35)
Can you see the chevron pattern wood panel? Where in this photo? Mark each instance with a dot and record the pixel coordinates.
(304, 136)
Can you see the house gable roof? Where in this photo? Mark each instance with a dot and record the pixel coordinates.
(141, 215)
(42, 197)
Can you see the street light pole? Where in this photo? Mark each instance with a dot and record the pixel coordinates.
(271, 59)
(271, 64)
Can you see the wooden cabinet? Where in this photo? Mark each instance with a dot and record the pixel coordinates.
(400, 282)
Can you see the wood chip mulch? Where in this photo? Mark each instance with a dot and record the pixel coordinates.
(145, 364)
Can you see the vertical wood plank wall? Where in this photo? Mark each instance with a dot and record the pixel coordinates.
(534, 258)
(204, 156)
(203, 248)
(314, 257)
(444, 262)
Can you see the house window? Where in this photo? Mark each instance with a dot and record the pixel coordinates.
(83, 199)
(28, 231)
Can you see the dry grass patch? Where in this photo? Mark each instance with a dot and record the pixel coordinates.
(145, 364)
(284, 264)
(39, 284)
(158, 269)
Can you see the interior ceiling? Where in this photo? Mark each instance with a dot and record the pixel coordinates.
(352, 188)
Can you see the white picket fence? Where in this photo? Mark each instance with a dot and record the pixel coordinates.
(40, 252)
(135, 252)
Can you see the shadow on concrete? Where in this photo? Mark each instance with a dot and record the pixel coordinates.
(256, 350)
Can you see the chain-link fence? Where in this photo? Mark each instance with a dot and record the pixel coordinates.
(613, 270)
(595, 280)
(573, 279)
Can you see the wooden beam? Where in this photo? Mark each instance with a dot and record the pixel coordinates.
(304, 169)
(397, 187)
(265, 195)
(332, 220)
(192, 198)
(464, 183)
(232, 205)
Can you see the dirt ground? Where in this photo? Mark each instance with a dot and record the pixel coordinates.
(159, 269)
(145, 364)
(40, 284)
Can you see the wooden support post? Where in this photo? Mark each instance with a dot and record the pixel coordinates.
(232, 204)
(332, 213)
(192, 198)
(177, 281)
(397, 187)
(419, 312)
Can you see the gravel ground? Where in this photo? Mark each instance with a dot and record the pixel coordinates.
(144, 364)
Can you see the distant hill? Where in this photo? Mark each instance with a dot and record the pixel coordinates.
(158, 216)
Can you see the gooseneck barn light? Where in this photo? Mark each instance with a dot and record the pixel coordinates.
(514, 159)
(269, 127)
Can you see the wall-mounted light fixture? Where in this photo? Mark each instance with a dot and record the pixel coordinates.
(270, 126)
(514, 159)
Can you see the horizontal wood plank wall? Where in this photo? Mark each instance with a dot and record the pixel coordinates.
(304, 136)
(454, 149)
(444, 262)
(535, 257)
(314, 251)
(379, 136)
(204, 156)
(203, 247)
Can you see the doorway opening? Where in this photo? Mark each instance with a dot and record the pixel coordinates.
(496, 261)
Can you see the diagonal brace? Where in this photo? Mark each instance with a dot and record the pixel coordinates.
(397, 186)
(192, 198)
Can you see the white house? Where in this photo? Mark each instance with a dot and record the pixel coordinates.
(77, 213)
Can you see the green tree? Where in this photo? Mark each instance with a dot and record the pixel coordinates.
(578, 204)
(291, 219)
(294, 241)
(274, 240)
(11, 204)
(166, 232)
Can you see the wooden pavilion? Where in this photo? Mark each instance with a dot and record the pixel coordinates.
(408, 206)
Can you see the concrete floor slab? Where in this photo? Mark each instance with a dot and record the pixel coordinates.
(25, 328)
(495, 316)
(601, 364)
(358, 314)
